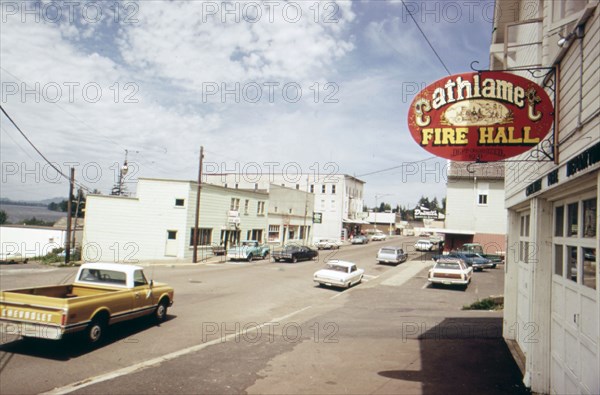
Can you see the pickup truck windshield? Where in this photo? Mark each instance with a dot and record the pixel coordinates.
(104, 277)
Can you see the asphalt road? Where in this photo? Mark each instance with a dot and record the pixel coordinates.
(265, 327)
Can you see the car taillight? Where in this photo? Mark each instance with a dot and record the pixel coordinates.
(63, 319)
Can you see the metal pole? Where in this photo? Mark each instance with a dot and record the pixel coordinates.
(79, 193)
(68, 241)
(195, 239)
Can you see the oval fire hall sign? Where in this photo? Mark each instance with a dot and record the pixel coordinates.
(486, 116)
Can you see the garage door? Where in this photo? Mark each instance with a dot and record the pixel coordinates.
(575, 308)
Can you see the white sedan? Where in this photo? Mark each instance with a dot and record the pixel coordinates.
(328, 244)
(379, 236)
(339, 274)
(423, 245)
(449, 271)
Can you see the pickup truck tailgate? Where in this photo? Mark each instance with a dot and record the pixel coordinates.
(34, 320)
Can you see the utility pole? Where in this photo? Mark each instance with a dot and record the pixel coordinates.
(195, 257)
(79, 193)
(68, 241)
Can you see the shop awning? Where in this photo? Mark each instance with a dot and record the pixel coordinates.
(450, 231)
(354, 221)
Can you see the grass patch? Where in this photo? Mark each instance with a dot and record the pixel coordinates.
(485, 304)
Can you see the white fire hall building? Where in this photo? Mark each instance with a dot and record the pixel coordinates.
(552, 290)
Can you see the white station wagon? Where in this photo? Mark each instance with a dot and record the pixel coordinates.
(450, 271)
(339, 274)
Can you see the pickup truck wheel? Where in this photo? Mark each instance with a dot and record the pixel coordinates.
(95, 330)
(250, 258)
(294, 259)
(161, 311)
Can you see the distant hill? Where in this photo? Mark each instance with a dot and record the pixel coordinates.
(42, 203)
(16, 213)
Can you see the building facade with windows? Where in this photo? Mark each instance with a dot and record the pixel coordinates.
(158, 224)
(337, 198)
(290, 216)
(475, 210)
(552, 291)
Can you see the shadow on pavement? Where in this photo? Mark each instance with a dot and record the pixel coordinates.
(462, 355)
(75, 345)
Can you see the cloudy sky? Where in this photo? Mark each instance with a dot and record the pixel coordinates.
(315, 86)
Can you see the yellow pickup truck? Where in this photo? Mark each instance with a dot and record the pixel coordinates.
(102, 294)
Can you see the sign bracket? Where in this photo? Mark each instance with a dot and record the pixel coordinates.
(547, 149)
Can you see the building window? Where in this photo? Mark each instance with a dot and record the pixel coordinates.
(204, 236)
(558, 260)
(273, 232)
(297, 186)
(291, 211)
(566, 11)
(332, 204)
(589, 217)
(171, 235)
(333, 189)
(256, 186)
(482, 199)
(261, 208)
(312, 188)
(235, 204)
(275, 209)
(236, 186)
(246, 206)
(524, 239)
(575, 246)
(559, 221)
(572, 219)
(323, 188)
(179, 202)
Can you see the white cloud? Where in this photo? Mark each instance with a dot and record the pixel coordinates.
(359, 54)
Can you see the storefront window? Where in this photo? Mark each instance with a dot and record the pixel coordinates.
(559, 223)
(589, 268)
(572, 219)
(572, 263)
(558, 260)
(589, 218)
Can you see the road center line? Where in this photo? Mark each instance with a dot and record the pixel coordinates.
(159, 360)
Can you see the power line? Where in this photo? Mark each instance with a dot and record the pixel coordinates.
(395, 167)
(425, 37)
(40, 152)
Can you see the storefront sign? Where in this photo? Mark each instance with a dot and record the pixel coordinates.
(317, 218)
(487, 116)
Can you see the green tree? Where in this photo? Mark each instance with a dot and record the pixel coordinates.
(3, 217)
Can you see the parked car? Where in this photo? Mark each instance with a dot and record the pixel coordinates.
(248, 250)
(379, 236)
(328, 244)
(424, 245)
(294, 253)
(476, 248)
(394, 255)
(339, 274)
(12, 258)
(474, 260)
(360, 239)
(450, 271)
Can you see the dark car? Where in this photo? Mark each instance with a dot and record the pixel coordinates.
(476, 261)
(294, 254)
